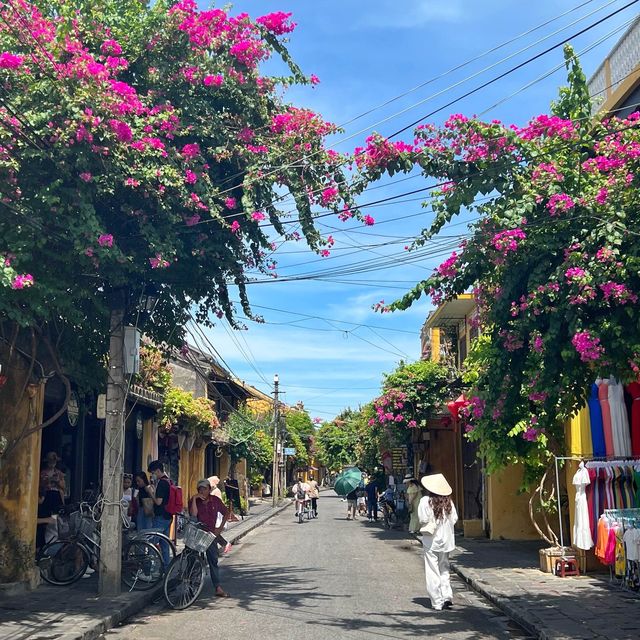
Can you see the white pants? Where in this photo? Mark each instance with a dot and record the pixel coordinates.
(436, 569)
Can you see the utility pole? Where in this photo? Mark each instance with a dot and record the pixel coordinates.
(112, 466)
(276, 432)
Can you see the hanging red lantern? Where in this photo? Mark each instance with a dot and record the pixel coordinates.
(454, 406)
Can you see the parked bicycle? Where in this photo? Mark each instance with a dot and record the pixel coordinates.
(185, 576)
(65, 560)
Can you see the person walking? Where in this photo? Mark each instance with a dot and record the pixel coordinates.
(437, 515)
(414, 493)
(206, 508)
(371, 490)
(314, 494)
(144, 498)
(352, 503)
(161, 517)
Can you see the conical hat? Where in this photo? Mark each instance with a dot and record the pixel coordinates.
(437, 484)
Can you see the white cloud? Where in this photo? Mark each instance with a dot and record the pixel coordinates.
(409, 15)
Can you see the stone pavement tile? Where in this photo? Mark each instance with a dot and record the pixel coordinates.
(585, 607)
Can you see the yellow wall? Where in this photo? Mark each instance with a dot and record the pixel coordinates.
(19, 475)
(435, 344)
(507, 510)
(191, 470)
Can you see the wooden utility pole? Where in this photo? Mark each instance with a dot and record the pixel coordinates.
(112, 466)
(275, 480)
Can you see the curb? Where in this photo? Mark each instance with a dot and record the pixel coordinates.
(502, 602)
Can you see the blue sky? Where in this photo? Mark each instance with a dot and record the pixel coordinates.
(334, 352)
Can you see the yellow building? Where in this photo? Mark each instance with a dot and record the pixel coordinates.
(488, 504)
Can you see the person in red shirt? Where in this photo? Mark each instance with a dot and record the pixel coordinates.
(206, 507)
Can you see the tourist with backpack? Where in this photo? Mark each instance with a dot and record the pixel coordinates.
(167, 503)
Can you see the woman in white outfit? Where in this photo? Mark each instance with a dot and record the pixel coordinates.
(437, 515)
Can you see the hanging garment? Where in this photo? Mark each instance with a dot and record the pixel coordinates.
(610, 551)
(603, 537)
(592, 502)
(620, 559)
(585, 431)
(619, 420)
(635, 475)
(634, 391)
(603, 396)
(595, 420)
(581, 527)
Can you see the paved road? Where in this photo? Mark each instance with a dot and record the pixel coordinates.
(325, 579)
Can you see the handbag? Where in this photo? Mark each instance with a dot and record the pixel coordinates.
(429, 529)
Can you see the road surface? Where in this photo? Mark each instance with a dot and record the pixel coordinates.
(325, 579)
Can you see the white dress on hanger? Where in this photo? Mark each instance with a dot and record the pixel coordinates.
(581, 528)
(619, 419)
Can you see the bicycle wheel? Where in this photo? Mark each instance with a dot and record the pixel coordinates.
(142, 566)
(154, 538)
(184, 580)
(62, 563)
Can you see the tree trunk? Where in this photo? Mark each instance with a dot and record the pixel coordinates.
(21, 408)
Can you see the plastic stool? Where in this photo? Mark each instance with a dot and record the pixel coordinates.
(567, 566)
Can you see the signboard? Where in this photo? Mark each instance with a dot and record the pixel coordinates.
(101, 408)
(399, 457)
(73, 409)
(289, 451)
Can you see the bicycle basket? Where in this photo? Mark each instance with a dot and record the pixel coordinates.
(197, 539)
(82, 524)
(64, 526)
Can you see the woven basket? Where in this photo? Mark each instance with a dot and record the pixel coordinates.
(197, 539)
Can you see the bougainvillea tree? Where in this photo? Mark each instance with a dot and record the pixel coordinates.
(553, 259)
(141, 146)
(411, 395)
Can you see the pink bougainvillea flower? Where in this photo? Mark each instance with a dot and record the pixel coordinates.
(213, 81)
(85, 176)
(325, 253)
(191, 150)
(105, 240)
(22, 281)
(258, 216)
(313, 79)
(190, 177)
(235, 226)
(587, 346)
(193, 220)
(158, 262)
(111, 47)
(230, 203)
(10, 60)
(368, 221)
(277, 22)
(121, 129)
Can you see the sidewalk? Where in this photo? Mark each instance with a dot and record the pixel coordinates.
(586, 607)
(77, 613)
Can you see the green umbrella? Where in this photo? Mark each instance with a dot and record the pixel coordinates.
(346, 483)
(353, 471)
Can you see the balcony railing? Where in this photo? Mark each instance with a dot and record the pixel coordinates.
(616, 67)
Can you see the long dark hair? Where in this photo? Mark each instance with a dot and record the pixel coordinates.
(143, 476)
(441, 506)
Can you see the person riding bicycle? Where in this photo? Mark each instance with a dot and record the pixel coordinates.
(301, 494)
